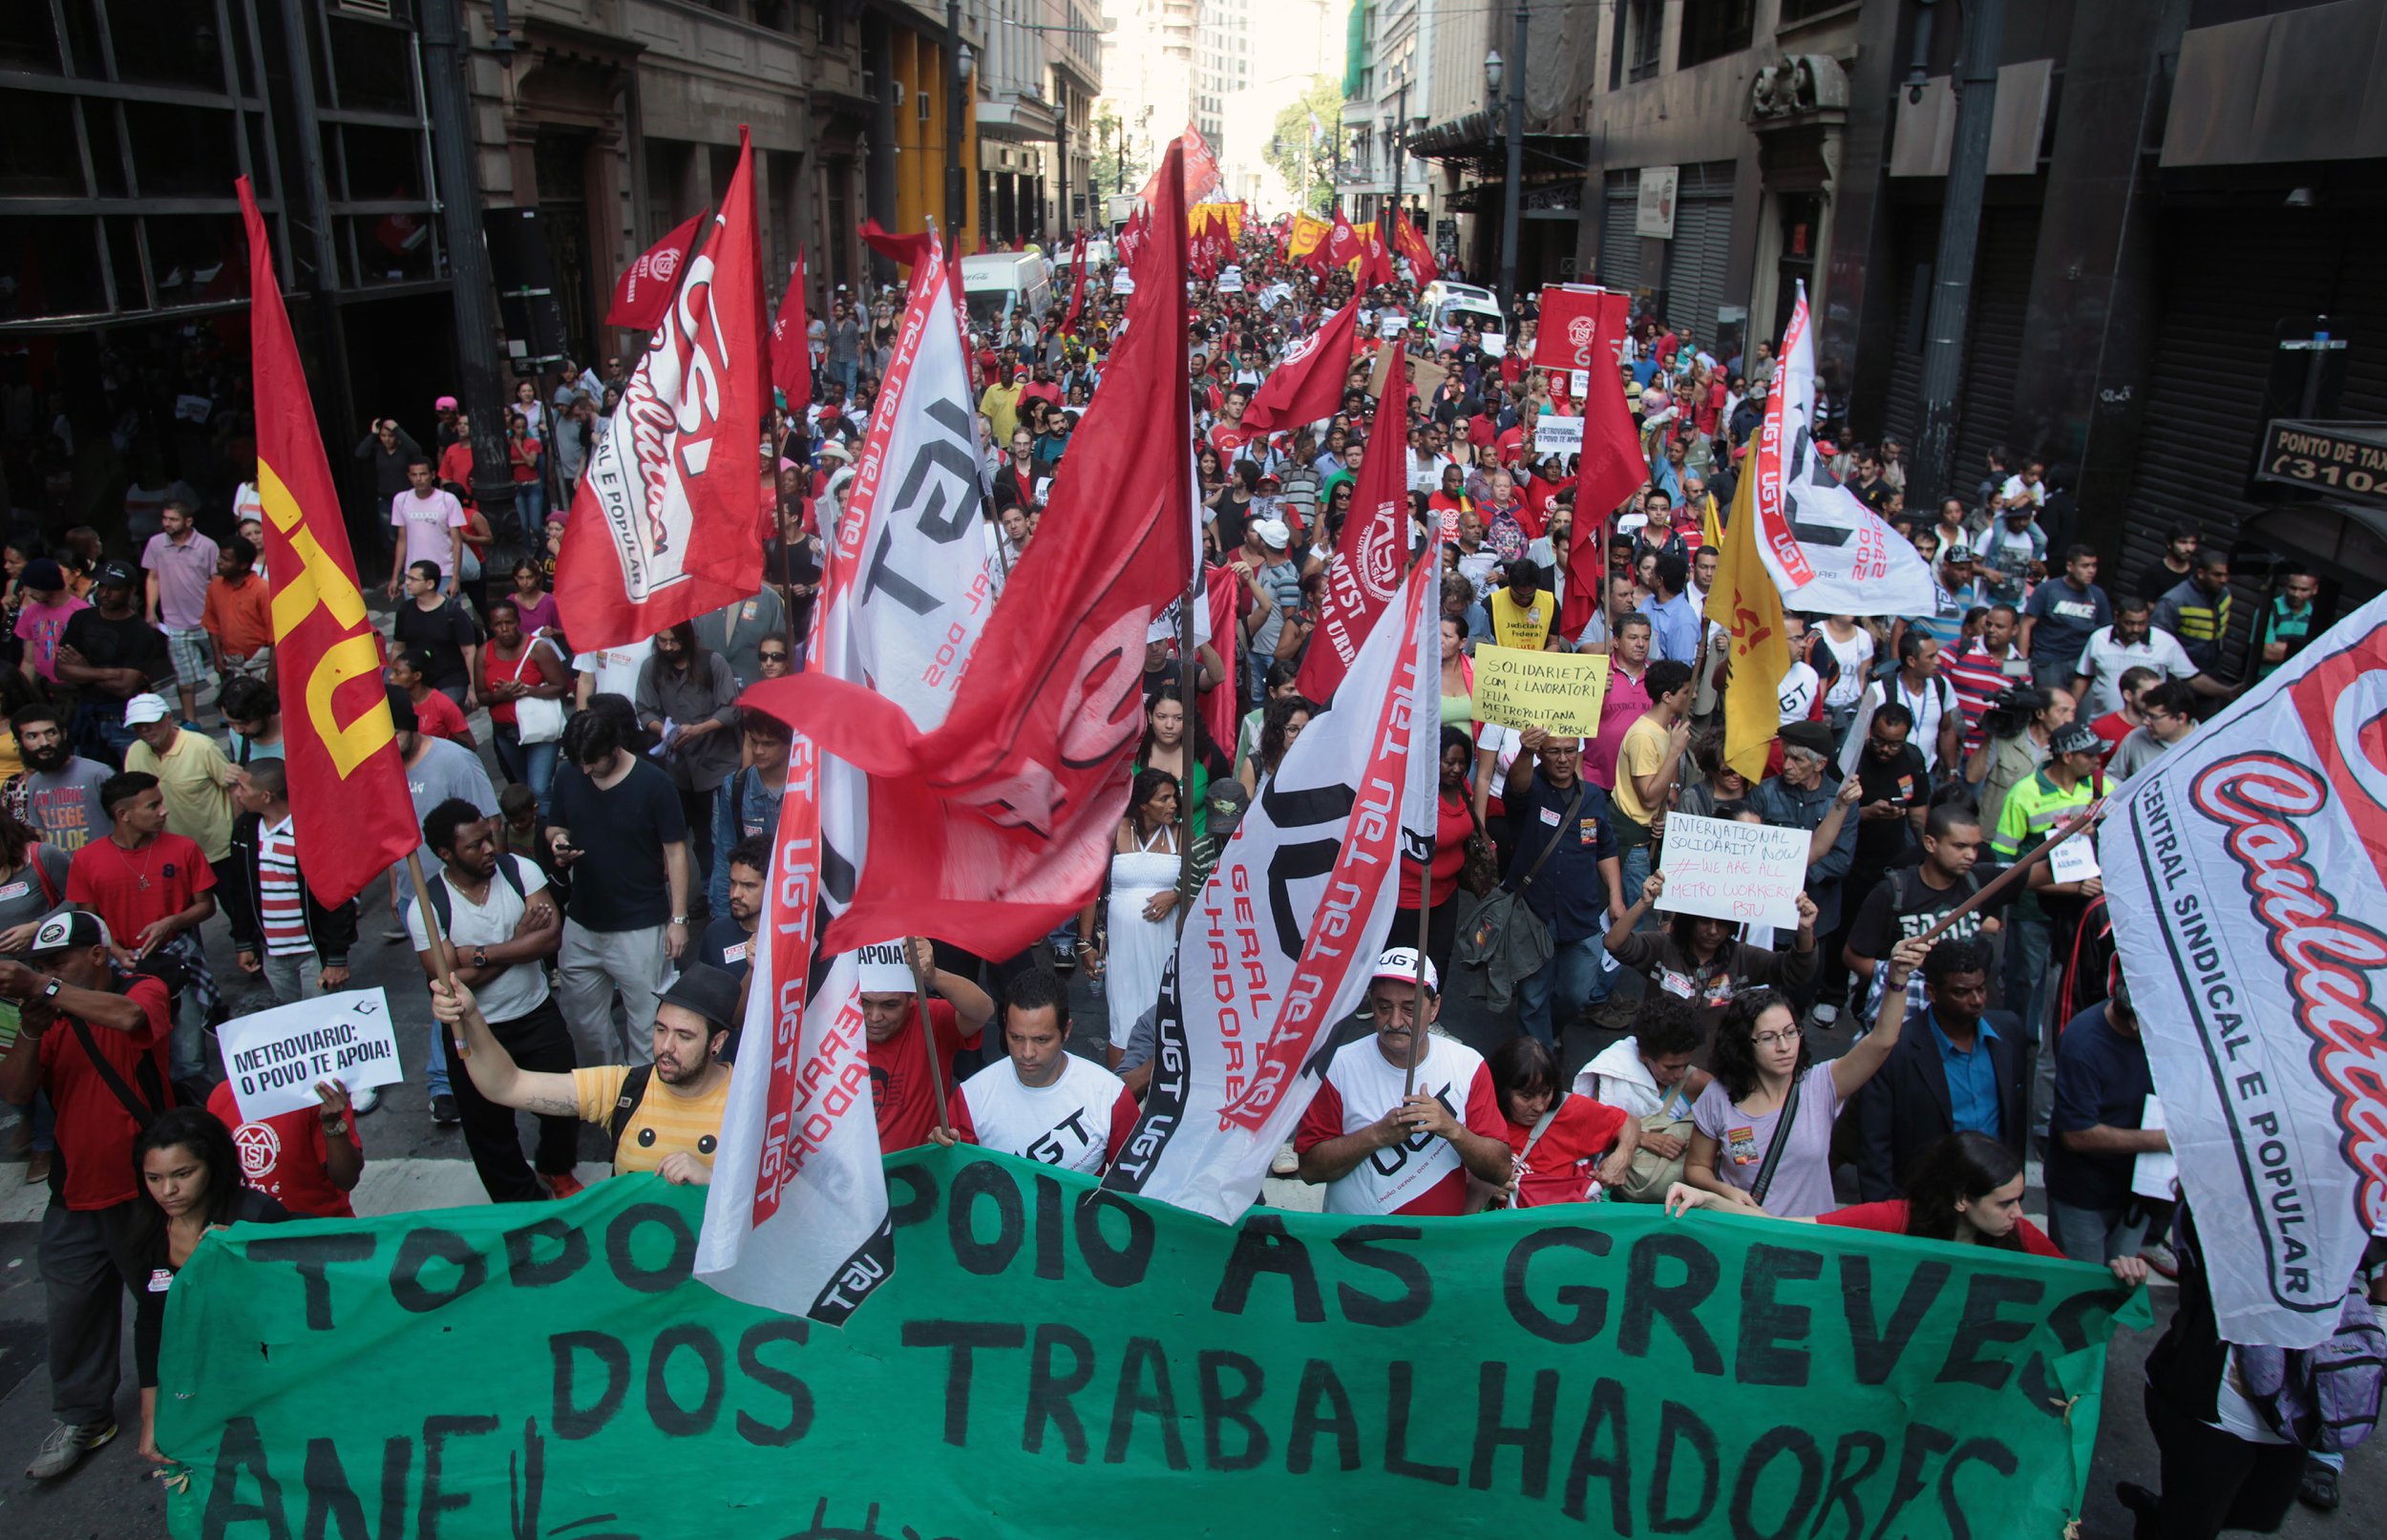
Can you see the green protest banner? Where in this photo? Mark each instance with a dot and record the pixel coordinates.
(1054, 1363)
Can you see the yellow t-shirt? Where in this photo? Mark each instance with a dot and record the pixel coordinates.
(1643, 750)
(1522, 625)
(664, 1122)
(195, 779)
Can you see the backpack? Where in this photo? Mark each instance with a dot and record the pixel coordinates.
(627, 1104)
(2325, 1398)
(445, 904)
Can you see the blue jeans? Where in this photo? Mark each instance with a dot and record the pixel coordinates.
(436, 1071)
(848, 375)
(532, 764)
(2097, 1236)
(1572, 979)
(2024, 979)
(1634, 871)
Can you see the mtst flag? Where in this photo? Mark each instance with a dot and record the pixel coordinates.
(349, 800)
(644, 291)
(1365, 573)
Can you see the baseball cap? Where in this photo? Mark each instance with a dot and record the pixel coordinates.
(112, 575)
(1961, 554)
(1401, 963)
(708, 991)
(1228, 802)
(446, 403)
(2075, 738)
(72, 932)
(41, 575)
(142, 709)
(1272, 533)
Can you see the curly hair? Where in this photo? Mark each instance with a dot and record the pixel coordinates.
(1733, 1056)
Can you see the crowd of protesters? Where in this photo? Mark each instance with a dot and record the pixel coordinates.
(596, 827)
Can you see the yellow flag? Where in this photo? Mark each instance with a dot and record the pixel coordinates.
(1746, 602)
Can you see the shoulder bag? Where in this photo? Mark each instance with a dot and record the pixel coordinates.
(536, 720)
(1508, 942)
(1780, 1142)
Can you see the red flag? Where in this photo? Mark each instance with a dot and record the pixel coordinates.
(1309, 383)
(905, 250)
(1343, 242)
(645, 287)
(1414, 244)
(662, 529)
(1610, 471)
(348, 789)
(1376, 265)
(1374, 551)
(790, 345)
(1077, 283)
(1223, 592)
(996, 825)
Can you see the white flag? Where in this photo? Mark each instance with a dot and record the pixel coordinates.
(796, 1217)
(2246, 875)
(1283, 940)
(1827, 553)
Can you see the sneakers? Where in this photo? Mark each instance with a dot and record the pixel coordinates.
(1614, 1013)
(1286, 1163)
(1824, 1017)
(65, 1448)
(2319, 1487)
(443, 1111)
(365, 1101)
(1064, 951)
(37, 1167)
(564, 1185)
(2157, 1255)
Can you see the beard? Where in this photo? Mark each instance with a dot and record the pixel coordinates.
(44, 759)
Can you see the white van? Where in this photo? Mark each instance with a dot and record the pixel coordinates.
(1001, 283)
(1450, 306)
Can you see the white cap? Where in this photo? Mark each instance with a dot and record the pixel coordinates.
(141, 709)
(1402, 963)
(1273, 533)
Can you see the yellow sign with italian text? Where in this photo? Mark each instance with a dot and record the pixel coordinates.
(1556, 691)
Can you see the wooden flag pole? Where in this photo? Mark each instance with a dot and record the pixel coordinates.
(1425, 874)
(928, 1035)
(2018, 871)
(442, 953)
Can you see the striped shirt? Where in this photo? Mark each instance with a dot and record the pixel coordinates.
(281, 903)
(1978, 678)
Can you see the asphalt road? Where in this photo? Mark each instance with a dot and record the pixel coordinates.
(413, 1163)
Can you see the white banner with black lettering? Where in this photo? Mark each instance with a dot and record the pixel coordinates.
(2246, 875)
(1280, 945)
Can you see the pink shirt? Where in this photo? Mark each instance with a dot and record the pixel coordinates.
(425, 522)
(39, 626)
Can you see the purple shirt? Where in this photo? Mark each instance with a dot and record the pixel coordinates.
(183, 573)
(1801, 1184)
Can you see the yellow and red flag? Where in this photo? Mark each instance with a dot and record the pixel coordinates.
(349, 800)
(1746, 602)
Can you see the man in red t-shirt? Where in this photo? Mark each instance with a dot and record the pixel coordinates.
(1379, 1151)
(75, 1021)
(153, 890)
(903, 1081)
(1229, 435)
(307, 1160)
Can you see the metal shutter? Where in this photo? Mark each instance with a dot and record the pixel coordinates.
(1918, 238)
(1701, 246)
(1619, 247)
(1993, 350)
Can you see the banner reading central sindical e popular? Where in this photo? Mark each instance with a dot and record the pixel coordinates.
(1053, 1364)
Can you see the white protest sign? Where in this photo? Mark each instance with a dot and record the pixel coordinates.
(1742, 873)
(2075, 861)
(1392, 325)
(2155, 1172)
(884, 969)
(274, 1058)
(1231, 281)
(1554, 434)
(1122, 283)
(1496, 344)
(1578, 383)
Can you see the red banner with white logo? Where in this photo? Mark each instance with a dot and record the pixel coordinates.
(644, 291)
(1365, 572)
(1307, 384)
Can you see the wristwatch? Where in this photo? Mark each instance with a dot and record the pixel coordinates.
(480, 957)
(679, 919)
(50, 990)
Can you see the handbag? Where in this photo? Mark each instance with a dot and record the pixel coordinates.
(1479, 868)
(1651, 1172)
(1508, 940)
(536, 720)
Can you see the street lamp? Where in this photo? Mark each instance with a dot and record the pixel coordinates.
(956, 110)
(1493, 71)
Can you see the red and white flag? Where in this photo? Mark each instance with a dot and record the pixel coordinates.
(1365, 572)
(644, 291)
(995, 827)
(791, 346)
(795, 1219)
(1609, 467)
(662, 527)
(1285, 936)
(2246, 872)
(1309, 383)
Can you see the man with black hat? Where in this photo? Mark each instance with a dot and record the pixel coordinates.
(664, 1117)
(108, 654)
(98, 1053)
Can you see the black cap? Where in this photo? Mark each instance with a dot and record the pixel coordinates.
(112, 575)
(1812, 737)
(710, 992)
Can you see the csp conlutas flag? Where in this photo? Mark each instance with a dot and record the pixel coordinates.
(1285, 936)
(2246, 875)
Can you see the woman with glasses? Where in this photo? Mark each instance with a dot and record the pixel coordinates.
(1762, 1130)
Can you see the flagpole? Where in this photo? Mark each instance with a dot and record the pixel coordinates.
(928, 1035)
(1189, 678)
(1425, 874)
(442, 953)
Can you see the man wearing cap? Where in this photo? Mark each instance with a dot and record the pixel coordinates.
(503, 926)
(1377, 1150)
(902, 1082)
(1274, 585)
(154, 889)
(2032, 813)
(1802, 796)
(180, 563)
(1041, 1102)
(43, 614)
(192, 773)
(108, 654)
(664, 1117)
(74, 1019)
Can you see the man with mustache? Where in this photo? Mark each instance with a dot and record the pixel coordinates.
(57, 796)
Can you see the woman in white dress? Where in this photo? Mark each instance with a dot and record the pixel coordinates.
(1145, 865)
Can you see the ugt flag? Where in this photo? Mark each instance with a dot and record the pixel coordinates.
(1828, 553)
(348, 790)
(662, 527)
(1285, 936)
(2246, 875)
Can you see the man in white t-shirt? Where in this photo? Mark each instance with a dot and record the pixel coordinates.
(1377, 1151)
(609, 671)
(430, 524)
(1041, 1102)
(2132, 641)
(503, 926)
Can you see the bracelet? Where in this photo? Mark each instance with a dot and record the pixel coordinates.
(341, 1127)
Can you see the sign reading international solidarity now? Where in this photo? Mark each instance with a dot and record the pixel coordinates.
(1748, 874)
(1559, 691)
(274, 1058)
(1056, 1363)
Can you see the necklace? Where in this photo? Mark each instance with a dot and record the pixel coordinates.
(124, 853)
